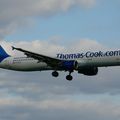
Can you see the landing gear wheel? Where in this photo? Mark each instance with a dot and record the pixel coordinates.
(69, 77)
(55, 74)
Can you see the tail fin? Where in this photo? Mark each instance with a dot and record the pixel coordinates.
(3, 54)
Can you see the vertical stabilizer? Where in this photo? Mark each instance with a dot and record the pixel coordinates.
(3, 54)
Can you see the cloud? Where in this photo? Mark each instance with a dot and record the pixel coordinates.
(41, 46)
(86, 44)
(38, 7)
(15, 14)
(53, 109)
(35, 46)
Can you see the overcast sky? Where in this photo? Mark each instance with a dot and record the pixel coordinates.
(55, 26)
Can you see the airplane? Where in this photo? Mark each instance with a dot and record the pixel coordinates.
(84, 63)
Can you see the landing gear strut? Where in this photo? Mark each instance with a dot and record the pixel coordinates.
(55, 74)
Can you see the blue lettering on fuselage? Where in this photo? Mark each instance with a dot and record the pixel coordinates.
(89, 54)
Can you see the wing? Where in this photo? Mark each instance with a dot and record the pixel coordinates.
(67, 65)
(53, 62)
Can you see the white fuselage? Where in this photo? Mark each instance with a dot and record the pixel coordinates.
(30, 64)
(23, 64)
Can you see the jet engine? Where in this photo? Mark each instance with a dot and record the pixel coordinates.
(69, 65)
(89, 71)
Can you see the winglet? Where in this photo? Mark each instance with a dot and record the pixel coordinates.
(13, 47)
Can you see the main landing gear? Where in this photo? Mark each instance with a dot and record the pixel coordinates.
(68, 77)
(55, 74)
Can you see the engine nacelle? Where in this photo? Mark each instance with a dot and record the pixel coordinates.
(69, 65)
(89, 71)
